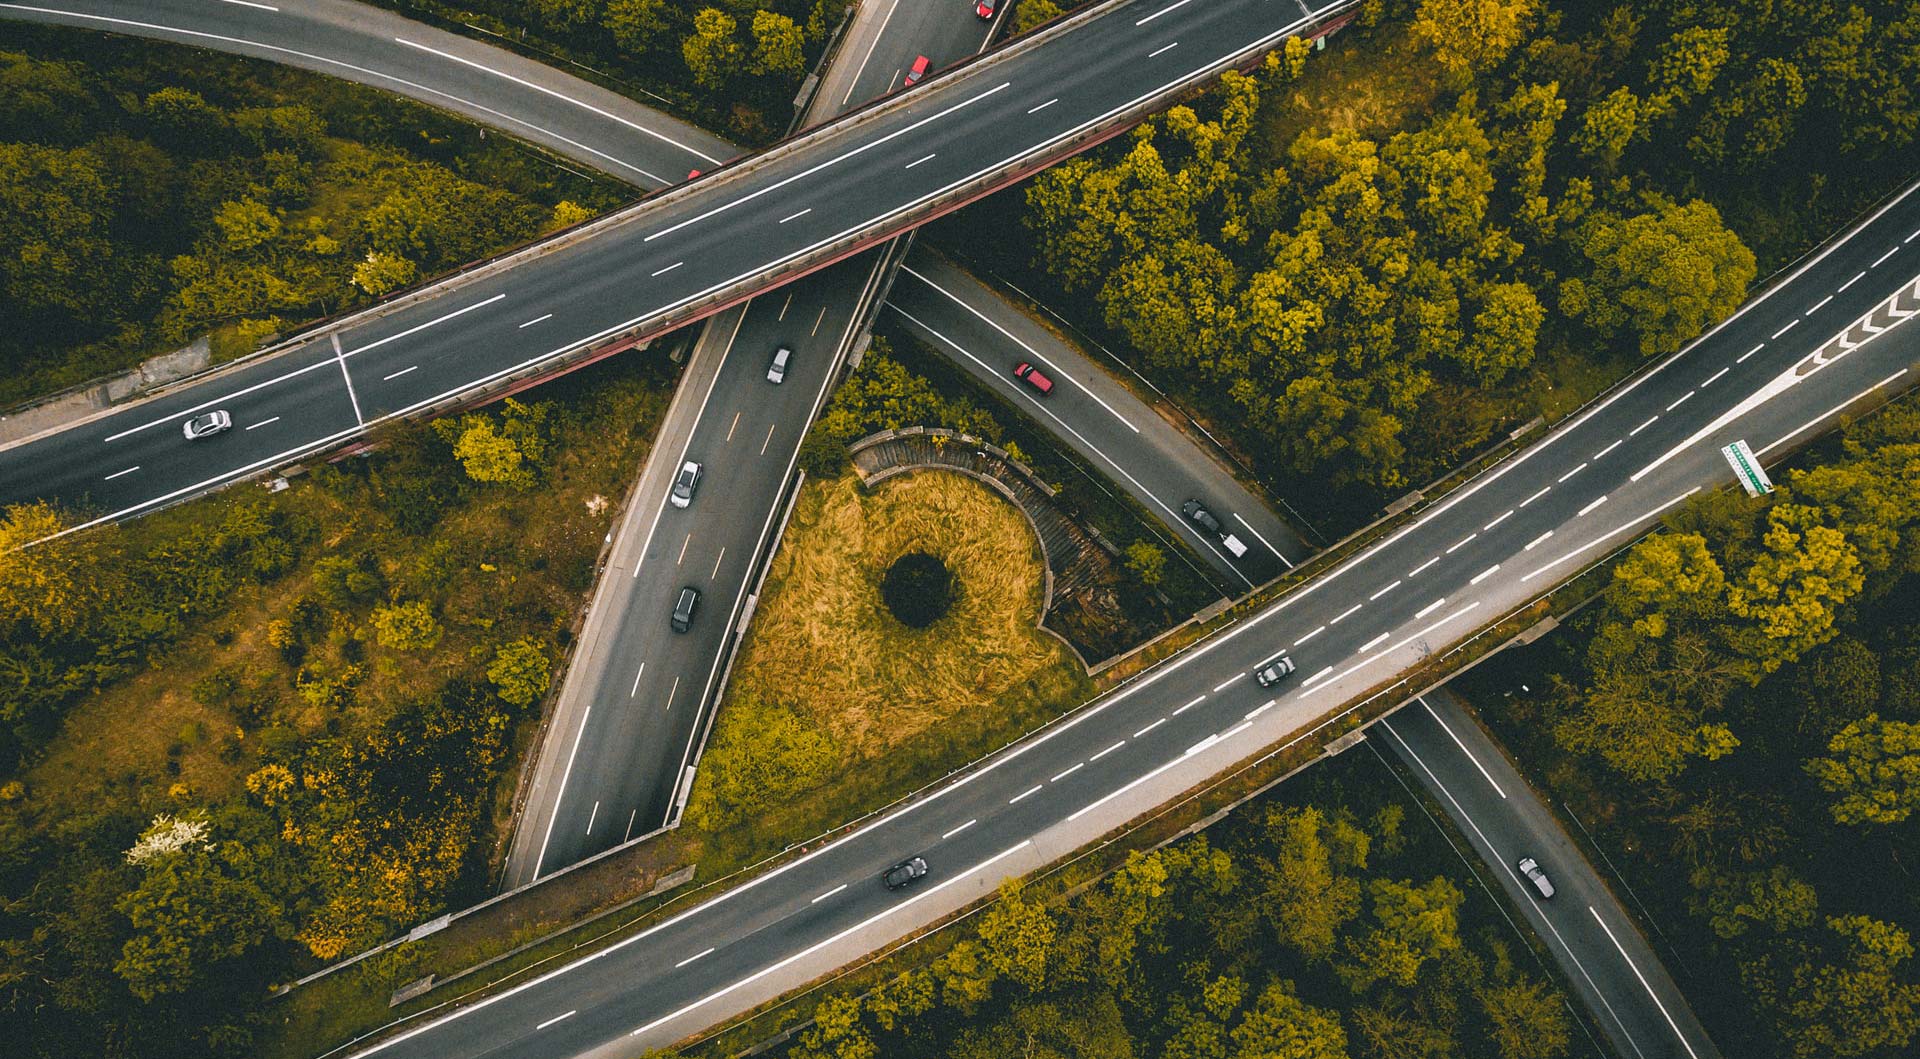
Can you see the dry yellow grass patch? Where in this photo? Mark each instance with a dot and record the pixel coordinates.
(824, 643)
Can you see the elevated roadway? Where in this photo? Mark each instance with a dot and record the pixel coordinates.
(1830, 335)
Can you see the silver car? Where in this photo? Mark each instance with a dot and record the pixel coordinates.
(685, 484)
(777, 371)
(1273, 670)
(207, 424)
(1531, 869)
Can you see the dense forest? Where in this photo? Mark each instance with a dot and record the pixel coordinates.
(1525, 193)
(1320, 922)
(150, 193)
(1743, 707)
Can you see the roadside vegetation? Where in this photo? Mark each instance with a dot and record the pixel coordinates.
(258, 732)
(833, 690)
(732, 66)
(1739, 718)
(1362, 268)
(1318, 922)
(151, 193)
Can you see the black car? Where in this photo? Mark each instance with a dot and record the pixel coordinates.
(904, 872)
(683, 609)
(1201, 517)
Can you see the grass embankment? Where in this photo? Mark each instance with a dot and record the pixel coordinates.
(835, 703)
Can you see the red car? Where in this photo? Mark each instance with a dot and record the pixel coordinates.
(1030, 375)
(916, 72)
(985, 8)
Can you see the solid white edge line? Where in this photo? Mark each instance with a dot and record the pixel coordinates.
(1835, 410)
(1610, 534)
(1256, 535)
(818, 945)
(1375, 642)
(1538, 541)
(1589, 508)
(1484, 574)
(1643, 982)
(1445, 727)
(1430, 608)
(564, 774)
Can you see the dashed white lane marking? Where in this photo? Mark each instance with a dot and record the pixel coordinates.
(264, 422)
(795, 217)
(1617, 442)
(1375, 642)
(695, 956)
(1383, 592)
(1852, 281)
(1461, 543)
(1715, 377)
(1610, 534)
(1791, 324)
(1069, 772)
(1883, 257)
(397, 374)
(1911, 238)
(957, 830)
(669, 268)
(536, 320)
(1163, 49)
(1684, 398)
(1544, 490)
(1043, 106)
(1488, 776)
(1742, 358)
(1109, 750)
(1430, 608)
(768, 440)
(1260, 709)
(964, 875)
(1589, 508)
(861, 70)
(1168, 10)
(1674, 1026)
(1317, 677)
(1415, 638)
(557, 1018)
(1227, 683)
(117, 474)
(1145, 730)
(1030, 791)
(1415, 572)
(1309, 636)
(735, 425)
(1537, 541)
(638, 673)
(1345, 614)
(1190, 705)
(1651, 420)
(1484, 574)
(591, 817)
(1563, 478)
(1818, 304)
(1499, 520)
(828, 894)
(917, 161)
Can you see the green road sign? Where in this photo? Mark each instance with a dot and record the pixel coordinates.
(1746, 467)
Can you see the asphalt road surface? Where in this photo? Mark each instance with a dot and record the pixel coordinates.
(1829, 334)
(635, 703)
(1607, 962)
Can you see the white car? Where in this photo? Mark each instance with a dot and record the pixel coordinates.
(777, 371)
(685, 484)
(1273, 671)
(1531, 869)
(207, 424)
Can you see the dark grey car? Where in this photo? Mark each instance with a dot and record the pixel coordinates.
(904, 872)
(683, 609)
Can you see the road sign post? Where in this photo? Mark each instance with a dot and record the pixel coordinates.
(1746, 467)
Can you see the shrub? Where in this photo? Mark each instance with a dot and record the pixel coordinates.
(918, 589)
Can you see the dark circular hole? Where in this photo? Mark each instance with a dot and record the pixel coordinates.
(918, 589)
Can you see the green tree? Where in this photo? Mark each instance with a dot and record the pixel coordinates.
(637, 25)
(246, 224)
(1844, 998)
(1281, 1026)
(1504, 332)
(520, 671)
(487, 454)
(184, 122)
(1664, 577)
(837, 1032)
(1525, 1017)
(712, 51)
(779, 49)
(1469, 36)
(1688, 64)
(567, 213)
(407, 626)
(1793, 588)
(1874, 768)
(1030, 14)
(1414, 924)
(1735, 902)
(765, 754)
(1663, 275)
(1147, 562)
(51, 583)
(1308, 894)
(57, 249)
(192, 910)
(1644, 710)
(1610, 127)
(1017, 934)
(381, 274)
